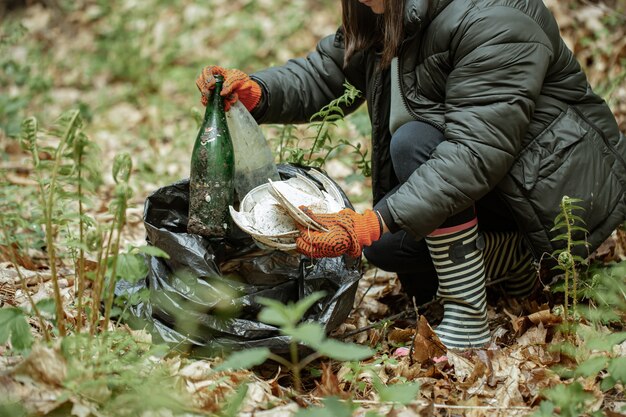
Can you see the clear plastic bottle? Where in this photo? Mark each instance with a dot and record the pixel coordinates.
(254, 161)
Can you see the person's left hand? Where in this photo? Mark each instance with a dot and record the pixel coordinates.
(347, 233)
(237, 86)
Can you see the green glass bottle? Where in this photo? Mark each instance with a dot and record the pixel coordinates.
(211, 186)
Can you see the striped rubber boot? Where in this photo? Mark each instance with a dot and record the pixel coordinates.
(458, 258)
(507, 256)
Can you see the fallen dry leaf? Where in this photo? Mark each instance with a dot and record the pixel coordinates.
(43, 364)
(329, 384)
(426, 344)
(533, 336)
(463, 367)
(259, 395)
(400, 336)
(544, 317)
(508, 393)
(8, 252)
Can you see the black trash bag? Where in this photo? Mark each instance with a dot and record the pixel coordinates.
(203, 297)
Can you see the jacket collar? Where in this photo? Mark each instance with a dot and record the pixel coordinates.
(414, 14)
(418, 13)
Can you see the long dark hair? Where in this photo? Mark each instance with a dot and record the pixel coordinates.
(364, 29)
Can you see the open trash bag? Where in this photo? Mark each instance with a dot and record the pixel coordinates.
(204, 296)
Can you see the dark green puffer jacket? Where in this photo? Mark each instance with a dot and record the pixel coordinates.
(515, 107)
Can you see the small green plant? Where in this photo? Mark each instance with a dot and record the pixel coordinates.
(603, 288)
(66, 179)
(14, 327)
(568, 224)
(121, 375)
(61, 180)
(288, 318)
(15, 236)
(592, 338)
(400, 392)
(322, 144)
(358, 386)
(569, 400)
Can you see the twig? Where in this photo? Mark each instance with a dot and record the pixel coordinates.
(482, 407)
(415, 309)
(452, 407)
(375, 324)
(366, 291)
(442, 406)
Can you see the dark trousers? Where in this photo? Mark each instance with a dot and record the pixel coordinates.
(411, 146)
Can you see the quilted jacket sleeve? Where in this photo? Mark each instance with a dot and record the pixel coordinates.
(500, 56)
(294, 92)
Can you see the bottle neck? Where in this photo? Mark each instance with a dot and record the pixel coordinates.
(216, 101)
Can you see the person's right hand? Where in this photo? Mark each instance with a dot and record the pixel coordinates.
(347, 233)
(237, 86)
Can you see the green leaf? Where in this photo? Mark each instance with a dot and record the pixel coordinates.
(282, 315)
(235, 402)
(47, 305)
(311, 334)
(606, 342)
(617, 368)
(244, 359)
(14, 327)
(560, 237)
(153, 251)
(332, 407)
(116, 311)
(558, 219)
(28, 134)
(338, 408)
(140, 296)
(301, 307)
(591, 366)
(274, 313)
(333, 117)
(12, 409)
(340, 351)
(131, 267)
(607, 383)
(398, 393)
(546, 409)
(570, 398)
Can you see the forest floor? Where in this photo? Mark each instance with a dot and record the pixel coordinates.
(130, 68)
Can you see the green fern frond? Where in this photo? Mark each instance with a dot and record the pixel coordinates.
(122, 167)
(28, 138)
(567, 261)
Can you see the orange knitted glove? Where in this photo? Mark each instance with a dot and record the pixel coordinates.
(347, 233)
(237, 86)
